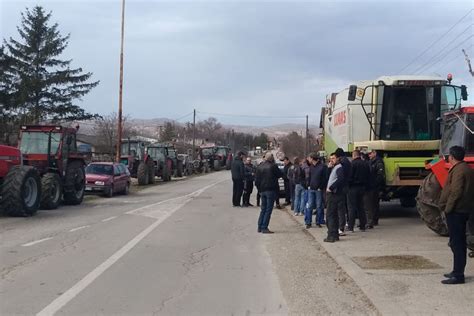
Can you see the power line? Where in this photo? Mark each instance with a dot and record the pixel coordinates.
(253, 116)
(436, 41)
(439, 52)
(453, 59)
(182, 117)
(449, 52)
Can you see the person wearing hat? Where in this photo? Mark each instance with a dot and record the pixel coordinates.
(266, 180)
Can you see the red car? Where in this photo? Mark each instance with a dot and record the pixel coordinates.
(107, 178)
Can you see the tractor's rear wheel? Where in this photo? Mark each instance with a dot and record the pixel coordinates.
(21, 191)
(74, 183)
(427, 205)
(51, 190)
(166, 173)
(151, 171)
(143, 174)
(179, 169)
(228, 164)
(217, 165)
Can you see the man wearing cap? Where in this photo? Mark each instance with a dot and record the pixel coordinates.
(266, 181)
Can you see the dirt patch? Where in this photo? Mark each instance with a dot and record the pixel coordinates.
(311, 281)
(400, 262)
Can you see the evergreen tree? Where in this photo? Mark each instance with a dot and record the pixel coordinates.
(46, 87)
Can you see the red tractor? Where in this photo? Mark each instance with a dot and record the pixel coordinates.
(20, 186)
(52, 151)
(141, 166)
(458, 129)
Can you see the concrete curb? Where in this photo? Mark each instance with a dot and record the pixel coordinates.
(382, 303)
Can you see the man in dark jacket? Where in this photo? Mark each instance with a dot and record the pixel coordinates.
(248, 182)
(336, 198)
(238, 177)
(457, 202)
(358, 183)
(375, 186)
(347, 169)
(316, 187)
(266, 181)
(286, 180)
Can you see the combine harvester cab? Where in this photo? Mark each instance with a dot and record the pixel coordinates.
(399, 116)
(458, 129)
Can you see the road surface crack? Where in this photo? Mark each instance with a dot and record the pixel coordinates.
(197, 260)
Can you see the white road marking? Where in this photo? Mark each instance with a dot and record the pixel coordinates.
(77, 288)
(109, 218)
(36, 242)
(78, 228)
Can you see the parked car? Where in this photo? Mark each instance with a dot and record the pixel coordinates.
(107, 178)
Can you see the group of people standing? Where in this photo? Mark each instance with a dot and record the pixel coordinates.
(347, 189)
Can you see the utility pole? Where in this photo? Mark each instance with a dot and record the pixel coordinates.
(194, 133)
(119, 132)
(468, 63)
(306, 145)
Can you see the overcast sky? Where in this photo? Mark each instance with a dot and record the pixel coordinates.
(262, 58)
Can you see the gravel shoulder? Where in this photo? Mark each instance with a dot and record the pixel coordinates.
(311, 281)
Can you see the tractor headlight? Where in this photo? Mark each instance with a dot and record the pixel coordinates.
(99, 183)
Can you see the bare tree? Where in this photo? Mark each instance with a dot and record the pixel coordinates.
(210, 128)
(106, 132)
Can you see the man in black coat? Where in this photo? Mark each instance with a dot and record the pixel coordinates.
(286, 180)
(375, 186)
(266, 181)
(238, 177)
(358, 182)
(248, 182)
(347, 170)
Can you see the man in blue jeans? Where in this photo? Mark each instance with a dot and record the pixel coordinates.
(317, 184)
(267, 184)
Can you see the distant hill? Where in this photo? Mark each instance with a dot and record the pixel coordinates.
(150, 127)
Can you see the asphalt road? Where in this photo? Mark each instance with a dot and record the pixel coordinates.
(174, 249)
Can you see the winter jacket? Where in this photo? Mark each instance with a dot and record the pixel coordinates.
(347, 169)
(267, 176)
(285, 171)
(299, 176)
(377, 174)
(249, 172)
(318, 176)
(306, 174)
(458, 192)
(360, 173)
(238, 169)
(336, 183)
(291, 174)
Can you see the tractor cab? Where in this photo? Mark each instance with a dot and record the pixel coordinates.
(458, 130)
(131, 153)
(49, 147)
(52, 151)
